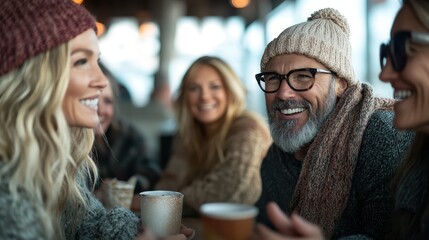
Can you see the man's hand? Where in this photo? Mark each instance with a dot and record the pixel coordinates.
(294, 227)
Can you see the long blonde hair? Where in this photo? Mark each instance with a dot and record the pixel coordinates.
(204, 150)
(40, 155)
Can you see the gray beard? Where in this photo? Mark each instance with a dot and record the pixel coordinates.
(286, 135)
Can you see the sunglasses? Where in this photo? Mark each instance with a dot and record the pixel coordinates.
(398, 46)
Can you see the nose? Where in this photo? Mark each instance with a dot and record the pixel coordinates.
(285, 91)
(387, 73)
(205, 93)
(100, 80)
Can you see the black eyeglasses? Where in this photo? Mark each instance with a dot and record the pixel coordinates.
(298, 79)
(397, 48)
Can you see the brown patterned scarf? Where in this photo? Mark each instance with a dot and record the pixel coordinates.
(323, 187)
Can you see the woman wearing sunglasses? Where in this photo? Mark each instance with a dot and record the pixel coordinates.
(405, 65)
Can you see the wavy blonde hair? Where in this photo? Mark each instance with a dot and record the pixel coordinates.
(39, 153)
(204, 150)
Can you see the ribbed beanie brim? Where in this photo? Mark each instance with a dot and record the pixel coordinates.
(30, 27)
(324, 37)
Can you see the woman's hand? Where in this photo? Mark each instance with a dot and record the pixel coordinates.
(294, 227)
(188, 232)
(146, 235)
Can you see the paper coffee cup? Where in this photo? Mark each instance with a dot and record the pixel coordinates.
(228, 221)
(120, 193)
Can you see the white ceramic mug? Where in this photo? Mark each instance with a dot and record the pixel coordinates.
(161, 212)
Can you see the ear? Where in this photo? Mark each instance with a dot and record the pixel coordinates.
(340, 86)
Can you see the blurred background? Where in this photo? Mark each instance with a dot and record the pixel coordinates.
(149, 44)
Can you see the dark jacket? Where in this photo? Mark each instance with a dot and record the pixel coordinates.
(124, 155)
(370, 203)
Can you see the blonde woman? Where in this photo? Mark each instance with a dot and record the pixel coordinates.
(219, 146)
(50, 82)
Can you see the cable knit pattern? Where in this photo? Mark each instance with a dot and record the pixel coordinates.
(369, 204)
(98, 223)
(17, 217)
(235, 178)
(19, 221)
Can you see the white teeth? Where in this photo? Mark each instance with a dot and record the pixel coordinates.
(92, 103)
(292, 110)
(207, 106)
(401, 94)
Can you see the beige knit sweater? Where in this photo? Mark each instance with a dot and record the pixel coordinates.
(235, 178)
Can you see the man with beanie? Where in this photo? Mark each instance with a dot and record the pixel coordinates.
(335, 148)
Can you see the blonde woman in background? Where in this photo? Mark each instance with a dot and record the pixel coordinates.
(219, 146)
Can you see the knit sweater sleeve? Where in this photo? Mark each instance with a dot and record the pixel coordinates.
(236, 178)
(174, 175)
(279, 173)
(382, 150)
(100, 223)
(269, 186)
(18, 218)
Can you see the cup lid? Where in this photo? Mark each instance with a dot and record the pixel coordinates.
(158, 193)
(223, 210)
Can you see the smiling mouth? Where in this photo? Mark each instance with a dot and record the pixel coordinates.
(291, 111)
(91, 103)
(402, 94)
(206, 107)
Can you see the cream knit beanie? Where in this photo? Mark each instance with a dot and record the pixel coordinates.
(325, 37)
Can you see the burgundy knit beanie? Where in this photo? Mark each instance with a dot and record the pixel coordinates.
(30, 27)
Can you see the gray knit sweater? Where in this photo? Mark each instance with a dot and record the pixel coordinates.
(18, 220)
(369, 204)
(17, 217)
